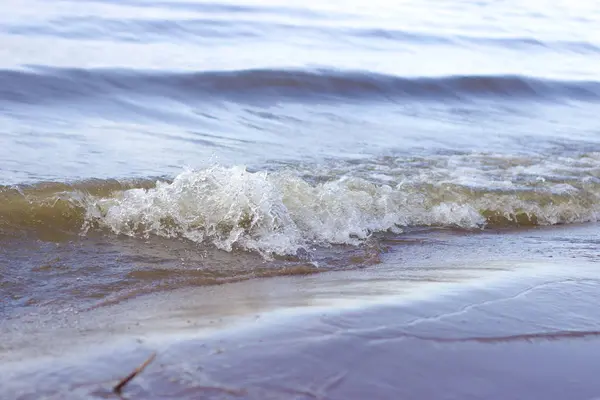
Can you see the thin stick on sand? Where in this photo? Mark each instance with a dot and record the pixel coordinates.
(119, 386)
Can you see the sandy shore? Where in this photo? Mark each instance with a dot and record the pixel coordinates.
(458, 327)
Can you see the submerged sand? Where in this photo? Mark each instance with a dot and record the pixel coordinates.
(467, 325)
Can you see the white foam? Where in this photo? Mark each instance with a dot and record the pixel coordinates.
(280, 213)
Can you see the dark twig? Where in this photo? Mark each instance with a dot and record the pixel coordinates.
(119, 386)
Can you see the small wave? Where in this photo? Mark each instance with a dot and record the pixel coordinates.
(51, 85)
(279, 212)
(207, 7)
(145, 30)
(501, 42)
(200, 30)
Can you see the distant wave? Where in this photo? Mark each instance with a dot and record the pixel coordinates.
(200, 29)
(43, 85)
(207, 7)
(279, 212)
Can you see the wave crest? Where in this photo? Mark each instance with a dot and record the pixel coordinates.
(53, 85)
(281, 213)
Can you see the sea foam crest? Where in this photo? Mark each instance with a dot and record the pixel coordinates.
(280, 213)
(267, 212)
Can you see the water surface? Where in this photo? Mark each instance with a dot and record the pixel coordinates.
(146, 145)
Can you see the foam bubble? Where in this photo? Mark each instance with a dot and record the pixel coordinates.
(281, 213)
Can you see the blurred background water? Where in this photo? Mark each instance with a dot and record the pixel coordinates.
(113, 89)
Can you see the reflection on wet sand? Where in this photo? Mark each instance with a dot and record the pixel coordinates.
(476, 328)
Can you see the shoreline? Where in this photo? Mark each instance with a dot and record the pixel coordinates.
(217, 336)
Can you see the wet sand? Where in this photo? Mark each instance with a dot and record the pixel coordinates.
(467, 325)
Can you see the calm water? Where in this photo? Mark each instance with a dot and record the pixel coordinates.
(151, 144)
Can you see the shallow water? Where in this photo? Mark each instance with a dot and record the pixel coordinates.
(491, 316)
(146, 146)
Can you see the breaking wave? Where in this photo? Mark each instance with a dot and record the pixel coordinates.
(283, 212)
